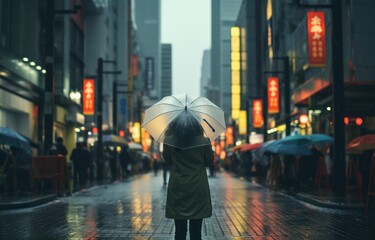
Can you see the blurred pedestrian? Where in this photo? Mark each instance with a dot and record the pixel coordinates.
(58, 148)
(155, 163)
(124, 160)
(110, 154)
(81, 159)
(188, 195)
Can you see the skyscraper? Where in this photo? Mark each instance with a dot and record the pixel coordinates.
(224, 15)
(166, 70)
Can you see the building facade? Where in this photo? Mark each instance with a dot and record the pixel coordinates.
(206, 86)
(166, 70)
(224, 14)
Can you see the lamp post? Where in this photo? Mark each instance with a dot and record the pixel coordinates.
(99, 113)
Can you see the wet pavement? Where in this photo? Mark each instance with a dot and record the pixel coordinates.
(134, 209)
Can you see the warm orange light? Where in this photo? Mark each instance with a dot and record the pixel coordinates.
(346, 120)
(222, 144)
(121, 133)
(217, 150)
(359, 121)
(303, 118)
(95, 130)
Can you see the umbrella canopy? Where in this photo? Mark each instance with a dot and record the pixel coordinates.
(11, 137)
(288, 149)
(250, 147)
(361, 143)
(114, 140)
(259, 153)
(319, 139)
(184, 115)
(290, 145)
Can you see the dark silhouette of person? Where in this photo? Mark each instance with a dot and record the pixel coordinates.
(58, 148)
(81, 159)
(112, 162)
(124, 160)
(188, 194)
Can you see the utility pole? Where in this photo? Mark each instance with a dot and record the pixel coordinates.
(130, 65)
(99, 114)
(49, 77)
(338, 99)
(49, 95)
(338, 95)
(114, 106)
(286, 95)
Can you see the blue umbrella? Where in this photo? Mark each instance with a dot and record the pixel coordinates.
(10, 137)
(290, 145)
(288, 149)
(259, 154)
(319, 139)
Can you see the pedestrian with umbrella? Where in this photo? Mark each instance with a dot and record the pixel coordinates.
(186, 126)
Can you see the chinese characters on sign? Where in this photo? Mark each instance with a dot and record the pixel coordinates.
(88, 97)
(273, 95)
(257, 113)
(316, 38)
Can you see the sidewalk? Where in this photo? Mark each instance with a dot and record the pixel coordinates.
(323, 199)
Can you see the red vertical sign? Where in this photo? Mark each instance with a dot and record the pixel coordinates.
(257, 113)
(273, 95)
(88, 96)
(316, 35)
(135, 65)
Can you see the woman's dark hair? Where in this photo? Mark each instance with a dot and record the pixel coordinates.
(185, 127)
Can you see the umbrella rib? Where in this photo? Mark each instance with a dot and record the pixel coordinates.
(205, 105)
(160, 115)
(177, 100)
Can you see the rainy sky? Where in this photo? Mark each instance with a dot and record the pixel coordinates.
(187, 26)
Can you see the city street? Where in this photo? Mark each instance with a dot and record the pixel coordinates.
(134, 209)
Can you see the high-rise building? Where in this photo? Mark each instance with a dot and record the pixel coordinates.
(224, 15)
(166, 70)
(205, 84)
(148, 24)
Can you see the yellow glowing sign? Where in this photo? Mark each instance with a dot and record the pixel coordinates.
(235, 69)
(242, 123)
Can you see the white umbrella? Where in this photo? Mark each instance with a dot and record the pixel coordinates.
(159, 116)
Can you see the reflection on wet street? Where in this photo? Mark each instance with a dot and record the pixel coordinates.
(134, 209)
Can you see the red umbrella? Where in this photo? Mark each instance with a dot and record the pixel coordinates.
(361, 143)
(249, 147)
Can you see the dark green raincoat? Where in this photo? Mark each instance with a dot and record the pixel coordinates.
(188, 190)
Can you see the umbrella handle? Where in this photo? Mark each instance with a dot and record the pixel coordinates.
(213, 129)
